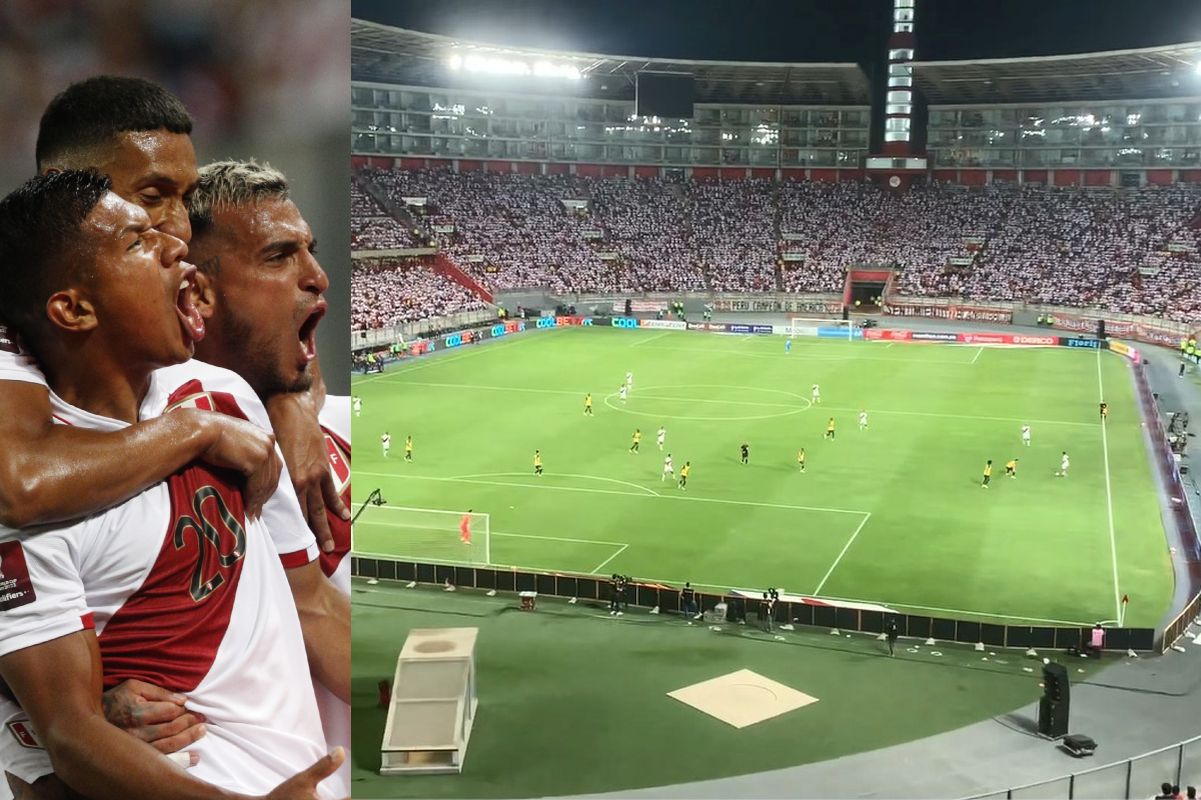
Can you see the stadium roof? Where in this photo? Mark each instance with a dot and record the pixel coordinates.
(1144, 74)
(383, 54)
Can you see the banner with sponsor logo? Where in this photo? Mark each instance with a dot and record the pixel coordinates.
(641, 306)
(739, 328)
(887, 335)
(664, 324)
(1076, 341)
(839, 333)
(714, 327)
(962, 312)
(623, 322)
(934, 336)
(1127, 329)
(1125, 350)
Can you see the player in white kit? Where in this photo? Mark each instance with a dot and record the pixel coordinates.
(386, 442)
(621, 392)
(630, 380)
(239, 211)
(1064, 463)
(1026, 435)
(661, 436)
(357, 402)
(817, 394)
(863, 420)
(224, 624)
(668, 469)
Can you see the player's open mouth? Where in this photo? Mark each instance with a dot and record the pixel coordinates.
(185, 305)
(308, 332)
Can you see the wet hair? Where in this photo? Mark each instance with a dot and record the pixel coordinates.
(42, 242)
(93, 111)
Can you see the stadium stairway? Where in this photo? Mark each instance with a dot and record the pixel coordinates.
(444, 265)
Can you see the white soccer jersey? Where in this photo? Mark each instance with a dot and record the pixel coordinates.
(1064, 463)
(1025, 431)
(662, 435)
(622, 391)
(16, 364)
(335, 421)
(186, 593)
(667, 467)
(358, 406)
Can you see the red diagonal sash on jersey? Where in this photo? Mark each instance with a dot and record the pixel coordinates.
(339, 467)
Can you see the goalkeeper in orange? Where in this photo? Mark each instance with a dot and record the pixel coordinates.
(465, 528)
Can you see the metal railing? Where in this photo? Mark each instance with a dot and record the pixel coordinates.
(1138, 777)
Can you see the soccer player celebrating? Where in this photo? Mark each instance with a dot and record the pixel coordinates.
(668, 469)
(465, 528)
(661, 437)
(1026, 435)
(1064, 463)
(817, 394)
(386, 442)
(102, 299)
(588, 405)
(830, 428)
(684, 475)
(987, 474)
(637, 441)
(800, 458)
(745, 453)
(409, 447)
(1011, 467)
(863, 419)
(621, 392)
(537, 462)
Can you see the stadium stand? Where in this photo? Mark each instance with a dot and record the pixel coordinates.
(1133, 250)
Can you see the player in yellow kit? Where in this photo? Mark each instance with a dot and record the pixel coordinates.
(409, 447)
(684, 475)
(637, 441)
(830, 429)
(1011, 467)
(987, 474)
(537, 462)
(588, 405)
(800, 458)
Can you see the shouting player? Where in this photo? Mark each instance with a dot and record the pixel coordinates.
(102, 299)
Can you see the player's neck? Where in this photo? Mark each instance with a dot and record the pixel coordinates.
(100, 384)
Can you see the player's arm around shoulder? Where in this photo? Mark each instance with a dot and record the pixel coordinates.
(50, 472)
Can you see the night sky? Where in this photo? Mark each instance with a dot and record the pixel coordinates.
(798, 30)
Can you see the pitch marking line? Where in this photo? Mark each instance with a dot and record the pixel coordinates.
(649, 491)
(652, 338)
(842, 553)
(493, 533)
(637, 394)
(510, 484)
(1113, 546)
(607, 560)
(976, 357)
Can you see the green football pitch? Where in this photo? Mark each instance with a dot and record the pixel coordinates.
(893, 514)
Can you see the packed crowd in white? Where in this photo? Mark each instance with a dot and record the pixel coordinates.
(1071, 247)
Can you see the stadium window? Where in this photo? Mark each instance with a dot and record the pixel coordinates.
(901, 54)
(896, 124)
(898, 108)
(898, 81)
(903, 15)
(900, 70)
(900, 96)
(896, 136)
(903, 27)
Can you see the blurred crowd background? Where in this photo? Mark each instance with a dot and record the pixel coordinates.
(268, 79)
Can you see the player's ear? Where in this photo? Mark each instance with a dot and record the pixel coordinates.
(70, 310)
(204, 293)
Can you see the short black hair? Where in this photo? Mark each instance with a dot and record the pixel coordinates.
(42, 242)
(93, 111)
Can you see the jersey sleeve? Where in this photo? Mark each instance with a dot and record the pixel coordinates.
(41, 594)
(21, 752)
(290, 534)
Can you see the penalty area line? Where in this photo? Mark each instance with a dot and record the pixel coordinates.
(866, 516)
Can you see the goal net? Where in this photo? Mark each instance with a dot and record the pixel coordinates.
(424, 534)
(823, 327)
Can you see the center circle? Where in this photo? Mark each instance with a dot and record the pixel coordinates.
(785, 408)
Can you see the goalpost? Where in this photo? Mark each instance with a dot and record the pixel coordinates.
(823, 327)
(424, 534)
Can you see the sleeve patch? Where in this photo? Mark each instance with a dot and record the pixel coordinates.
(16, 589)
